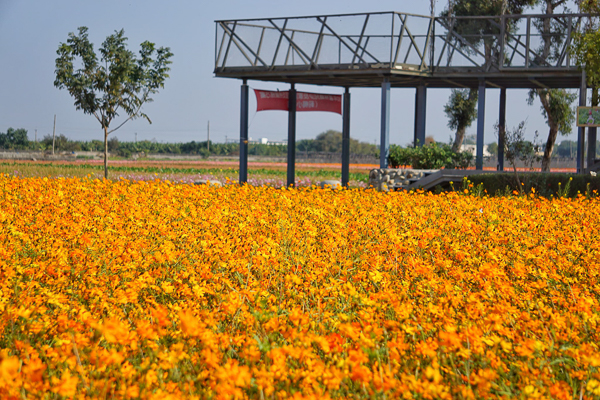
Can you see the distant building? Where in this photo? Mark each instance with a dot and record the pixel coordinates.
(268, 142)
(472, 148)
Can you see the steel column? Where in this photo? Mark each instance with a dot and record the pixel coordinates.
(591, 148)
(501, 129)
(384, 145)
(244, 133)
(346, 138)
(591, 156)
(291, 156)
(581, 130)
(420, 115)
(480, 125)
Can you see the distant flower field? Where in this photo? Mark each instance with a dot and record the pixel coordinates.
(158, 290)
(260, 173)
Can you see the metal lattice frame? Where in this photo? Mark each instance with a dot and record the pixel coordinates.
(357, 50)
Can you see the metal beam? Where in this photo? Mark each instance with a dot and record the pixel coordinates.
(317, 49)
(244, 133)
(228, 44)
(420, 115)
(363, 50)
(538, 83)
(384, 145)
(346, 138)
(340, 39)
(592, 131)
(305, 57)
(399, 41)
(291, 156)
(239, 41)
(591, 148)
(501, 129)
(278, 45)
(362, 33)
(262, 36)
(480, 125)
(581, 130)
(453, 83)
(492, 84)
(431, 22)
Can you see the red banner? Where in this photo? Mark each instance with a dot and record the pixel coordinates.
(271, 100)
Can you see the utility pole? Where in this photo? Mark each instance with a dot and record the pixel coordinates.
(36, 135)
(208, 137)
(53, 134)
(135, 138)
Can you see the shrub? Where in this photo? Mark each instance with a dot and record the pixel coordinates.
(545, 184)
(430, 156)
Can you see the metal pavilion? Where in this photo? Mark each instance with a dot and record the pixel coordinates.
(391, 49)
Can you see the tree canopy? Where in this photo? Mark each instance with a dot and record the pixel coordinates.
(555, 103)
(461, 110)
(14, 139)
(586, 44)
(117, 83)
(330, 141)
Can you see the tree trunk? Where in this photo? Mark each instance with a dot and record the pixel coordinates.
(549, 148)
(462, 125)
(552, 134)
(105, 152)
(460, 135)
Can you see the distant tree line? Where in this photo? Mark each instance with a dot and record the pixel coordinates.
(326, 142)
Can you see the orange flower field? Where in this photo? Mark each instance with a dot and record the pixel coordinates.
(168, 291)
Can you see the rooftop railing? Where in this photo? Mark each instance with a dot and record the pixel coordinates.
(396, 41)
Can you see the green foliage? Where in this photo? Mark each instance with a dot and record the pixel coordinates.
(516, 148)
(567, 149)
(14, 139)
(556, 107)
(431, 156)
(586, 43)
(119, 82)
(545, 184)
(61, 143)
(478, 31)
(461, 108)
(493, 148)
(331, 141)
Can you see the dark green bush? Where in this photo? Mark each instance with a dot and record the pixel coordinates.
(430, 156)
(545, 184)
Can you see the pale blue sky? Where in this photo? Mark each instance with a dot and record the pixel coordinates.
(31, 30)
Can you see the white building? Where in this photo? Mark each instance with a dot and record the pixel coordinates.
(472, 148)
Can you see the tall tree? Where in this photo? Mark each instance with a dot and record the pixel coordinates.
(586, 46)
(461, 110)
(478, 32)
(461, 107)
(556, 108)
(118, 83)
(556, 103)
(14, 139)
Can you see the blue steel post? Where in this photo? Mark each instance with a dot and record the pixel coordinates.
(480, 125)
(581, 130)
(591, 150)
(346, 138)
(420, 115)
(291, 156)
(244, 133)
(592, 136)
(501, 129)
(384, 145)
